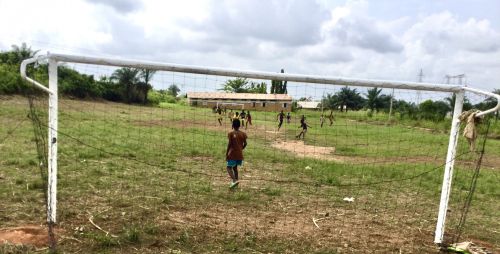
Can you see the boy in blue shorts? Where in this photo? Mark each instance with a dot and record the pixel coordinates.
(234, 153)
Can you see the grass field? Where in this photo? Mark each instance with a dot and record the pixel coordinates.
(154, 178)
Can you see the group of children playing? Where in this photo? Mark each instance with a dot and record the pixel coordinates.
(237, 140)
(244, 117)
(303, 123)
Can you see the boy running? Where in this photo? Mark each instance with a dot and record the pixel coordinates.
(230, 115)
(304, 126)
(281, 115)
(249, 119)
(219, 117)
(234, 153)
(243, 117)
(288, 117)
(331, 118)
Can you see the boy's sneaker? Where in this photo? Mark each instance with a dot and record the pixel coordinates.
(233, 185)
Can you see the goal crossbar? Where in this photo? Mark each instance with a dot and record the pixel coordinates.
(54, 59)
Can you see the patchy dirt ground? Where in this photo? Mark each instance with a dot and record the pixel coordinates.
(281, 213)
(26, 235)
(299, 148)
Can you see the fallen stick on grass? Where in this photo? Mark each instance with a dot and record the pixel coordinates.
(95, 225)
(70, 238)
(316, 220)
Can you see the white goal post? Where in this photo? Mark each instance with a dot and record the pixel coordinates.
(52, 90)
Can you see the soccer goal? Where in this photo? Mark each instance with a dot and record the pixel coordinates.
(376, 176)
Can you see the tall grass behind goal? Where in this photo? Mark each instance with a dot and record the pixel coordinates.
(154, 175)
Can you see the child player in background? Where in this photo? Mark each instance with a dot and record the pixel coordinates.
(219, 115)
(230, 115)
(237, 141)
(304, 127)
(243, 117)
(249, 120)
(280, 117)
(331, 117)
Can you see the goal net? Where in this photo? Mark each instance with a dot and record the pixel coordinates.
(141, 160)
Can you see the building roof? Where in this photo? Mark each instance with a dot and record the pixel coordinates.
(239, 96)
(308, 104)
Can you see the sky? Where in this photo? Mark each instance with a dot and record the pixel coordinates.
(383, 39)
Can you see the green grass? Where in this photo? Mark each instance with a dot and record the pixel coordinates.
(155, 178)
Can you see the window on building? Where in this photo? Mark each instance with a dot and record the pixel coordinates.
(253, 104)
(284, 105)
(263, 104)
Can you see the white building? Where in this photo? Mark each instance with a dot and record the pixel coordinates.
(309, 104)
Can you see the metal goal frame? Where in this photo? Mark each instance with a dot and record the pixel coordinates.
(52, 91)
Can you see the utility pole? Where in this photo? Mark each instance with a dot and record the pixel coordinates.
(421, 76)
(420, 80)
(451, 78)
(390, 107)
(460, 78)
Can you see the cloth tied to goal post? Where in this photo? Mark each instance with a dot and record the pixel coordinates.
(470, 130)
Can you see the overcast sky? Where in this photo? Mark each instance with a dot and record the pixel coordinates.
(383, 39)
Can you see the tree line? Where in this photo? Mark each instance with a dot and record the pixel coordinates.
(132, 85)
(129, 85)
(374, 101)
(242, 85)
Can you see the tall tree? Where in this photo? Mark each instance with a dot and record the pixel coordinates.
(433, 110)
(372, 98)
(128, 79)
(173, 90)
(22, 52)
(350, 98)
(257, 87)
(237, 85)
(278, 86)
(146, 75)
(451, 103)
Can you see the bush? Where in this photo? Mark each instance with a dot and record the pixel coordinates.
(10, 81)
(79, 85)
(369, 113)
(156, 97)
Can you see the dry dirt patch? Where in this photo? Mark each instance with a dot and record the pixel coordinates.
(26, 235)
(299, 148)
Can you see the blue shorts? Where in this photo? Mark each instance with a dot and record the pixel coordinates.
(234, 163)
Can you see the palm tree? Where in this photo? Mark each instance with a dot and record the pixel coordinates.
(372, 98)
(22, 52)
(347, 97)
(145, 86)
(128, 78)
(451, 103)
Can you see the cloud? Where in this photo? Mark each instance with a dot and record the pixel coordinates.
(123, 6)
(443, 33)
(287, 23)
(364, 33)
(348, 39)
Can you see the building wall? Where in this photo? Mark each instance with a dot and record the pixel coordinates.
(271, 106)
